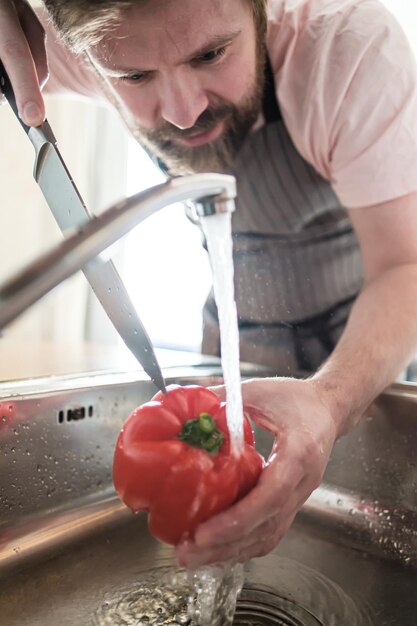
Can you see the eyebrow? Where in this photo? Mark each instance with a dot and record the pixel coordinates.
(216, 42)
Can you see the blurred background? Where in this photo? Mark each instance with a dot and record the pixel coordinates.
(162, 261)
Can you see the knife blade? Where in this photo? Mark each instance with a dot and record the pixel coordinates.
(70, 212)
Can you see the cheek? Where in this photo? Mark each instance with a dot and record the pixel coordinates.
(238, 79)
(237, 85)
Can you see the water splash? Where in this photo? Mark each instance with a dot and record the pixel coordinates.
(204, 597)
(218, 232)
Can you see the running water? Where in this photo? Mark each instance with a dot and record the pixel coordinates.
(218, 231)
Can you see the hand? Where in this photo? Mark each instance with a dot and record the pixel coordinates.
(305, 433)
(22, 51)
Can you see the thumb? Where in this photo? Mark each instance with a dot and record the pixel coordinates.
(220, 391)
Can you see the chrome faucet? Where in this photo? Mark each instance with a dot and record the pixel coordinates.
(210, 193)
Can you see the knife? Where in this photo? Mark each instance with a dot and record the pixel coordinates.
(70, 212)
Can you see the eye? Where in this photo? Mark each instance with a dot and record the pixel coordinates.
(135, 77)
(211, 55)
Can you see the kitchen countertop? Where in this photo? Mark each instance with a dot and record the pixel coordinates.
(38, 359)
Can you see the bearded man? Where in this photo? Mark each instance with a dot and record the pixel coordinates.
(312, 105)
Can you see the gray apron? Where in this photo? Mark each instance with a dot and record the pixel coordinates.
(296, 258)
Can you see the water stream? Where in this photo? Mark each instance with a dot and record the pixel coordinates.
(218, 232)
(220, 585)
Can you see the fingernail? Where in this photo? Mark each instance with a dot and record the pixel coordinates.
(32, 115)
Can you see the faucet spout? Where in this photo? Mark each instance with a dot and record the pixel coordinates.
(210, 205)
(211, 193)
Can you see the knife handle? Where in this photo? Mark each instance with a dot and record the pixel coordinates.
(7, 89)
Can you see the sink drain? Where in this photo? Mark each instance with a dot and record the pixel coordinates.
(261, 608)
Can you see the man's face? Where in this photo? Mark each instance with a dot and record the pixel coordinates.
(190, 76)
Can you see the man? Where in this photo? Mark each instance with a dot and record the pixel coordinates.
(315, 110)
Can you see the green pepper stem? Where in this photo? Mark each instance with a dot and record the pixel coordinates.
(202, 432)
(206, 423)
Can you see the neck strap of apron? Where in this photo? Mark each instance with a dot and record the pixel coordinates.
(270, 107)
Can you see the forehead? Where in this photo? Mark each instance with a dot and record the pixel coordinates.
(166, 30)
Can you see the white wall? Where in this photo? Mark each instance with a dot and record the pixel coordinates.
(406, 13)
(26, 225)
(166, 268)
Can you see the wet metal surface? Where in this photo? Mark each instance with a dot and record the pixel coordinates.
(105, 573)
(335, 585)
(261, 608)
(69, 550)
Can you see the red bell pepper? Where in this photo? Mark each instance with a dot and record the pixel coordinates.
(173, 459)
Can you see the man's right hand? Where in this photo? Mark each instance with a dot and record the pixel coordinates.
(23, 53)
(296, 412)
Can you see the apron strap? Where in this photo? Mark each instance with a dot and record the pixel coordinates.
(270, 107)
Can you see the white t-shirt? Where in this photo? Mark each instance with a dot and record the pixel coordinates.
(346, 83)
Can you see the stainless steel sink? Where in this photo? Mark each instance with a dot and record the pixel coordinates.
(72, 555)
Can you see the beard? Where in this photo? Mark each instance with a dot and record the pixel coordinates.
(218, 155)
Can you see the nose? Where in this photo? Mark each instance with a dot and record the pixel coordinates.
(182, 99)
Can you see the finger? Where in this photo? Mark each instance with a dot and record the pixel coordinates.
(189, 555)
(264, 544)
(283, 487)
(266, 528)
(250, 404)
(277, 485)
(220, 391)
(18, 61)
(35, 35)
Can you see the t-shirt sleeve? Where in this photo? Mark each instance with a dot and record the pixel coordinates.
(352, 109)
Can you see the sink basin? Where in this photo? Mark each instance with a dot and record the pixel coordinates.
(99, 576)
(72, 555)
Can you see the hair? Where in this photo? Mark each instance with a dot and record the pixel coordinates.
(84, 23)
